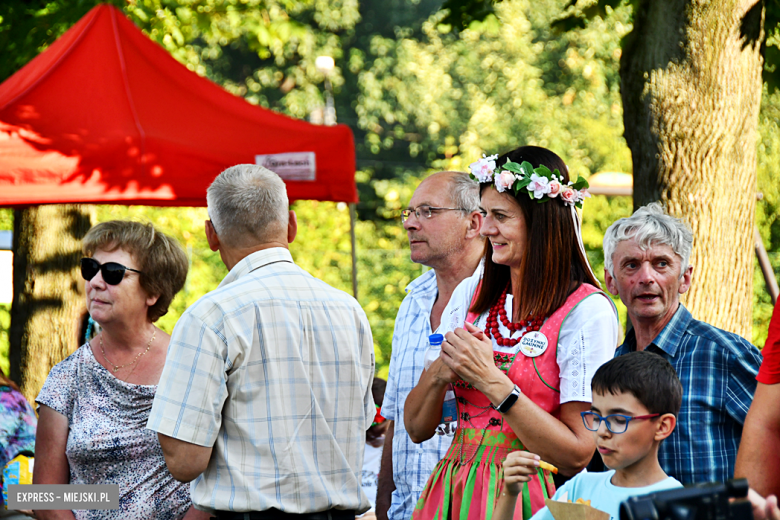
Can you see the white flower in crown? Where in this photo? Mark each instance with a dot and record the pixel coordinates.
(483, 169)
(504, 181)
(582, 195)
(540, 186)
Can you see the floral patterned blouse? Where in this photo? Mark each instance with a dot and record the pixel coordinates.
(108, 442)
(17, 426)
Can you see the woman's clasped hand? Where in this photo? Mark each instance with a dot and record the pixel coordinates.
(468, 352)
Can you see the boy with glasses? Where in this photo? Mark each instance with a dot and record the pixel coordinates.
(636, 398)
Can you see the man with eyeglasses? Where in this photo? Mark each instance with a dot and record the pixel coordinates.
(265, 397)
(442, 222)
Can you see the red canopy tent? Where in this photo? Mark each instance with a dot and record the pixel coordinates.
(105, 115)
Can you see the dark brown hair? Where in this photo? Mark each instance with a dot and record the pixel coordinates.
(553, 264)
(646, 375)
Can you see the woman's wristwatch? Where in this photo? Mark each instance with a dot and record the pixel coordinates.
(510, 400)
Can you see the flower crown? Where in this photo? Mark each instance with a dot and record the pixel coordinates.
(537, 182)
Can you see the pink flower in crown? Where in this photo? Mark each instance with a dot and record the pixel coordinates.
(555, 189)
(569, 195)
(504, 181)
(540, 186)
(483, 169)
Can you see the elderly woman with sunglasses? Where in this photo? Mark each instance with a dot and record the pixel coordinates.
(94, 405)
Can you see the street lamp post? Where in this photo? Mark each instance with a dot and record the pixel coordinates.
(325, 66)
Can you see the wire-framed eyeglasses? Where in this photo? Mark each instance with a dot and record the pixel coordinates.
(424, 211)
(616, 423)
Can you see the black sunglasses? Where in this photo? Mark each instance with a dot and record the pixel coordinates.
(112, 271)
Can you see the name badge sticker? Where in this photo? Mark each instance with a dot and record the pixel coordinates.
(533, 344)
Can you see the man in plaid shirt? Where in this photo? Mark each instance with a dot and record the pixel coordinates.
(646, 263)
(442, 222)
(265, 396)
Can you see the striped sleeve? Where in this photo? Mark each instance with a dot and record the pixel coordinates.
(192, 390)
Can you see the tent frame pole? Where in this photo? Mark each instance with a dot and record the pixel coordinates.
(352, 218)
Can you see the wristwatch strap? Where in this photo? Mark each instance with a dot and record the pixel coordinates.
(509, 401)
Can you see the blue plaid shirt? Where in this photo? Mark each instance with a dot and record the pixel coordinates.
(718, 372)
(412, 463)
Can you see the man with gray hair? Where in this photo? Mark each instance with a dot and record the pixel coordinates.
(442, 222)
(265, 396)
(646, 262)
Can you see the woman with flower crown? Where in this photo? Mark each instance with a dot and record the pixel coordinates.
(523, 338)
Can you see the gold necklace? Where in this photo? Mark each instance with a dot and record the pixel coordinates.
(116, 368)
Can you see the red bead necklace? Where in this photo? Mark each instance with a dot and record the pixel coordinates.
(499, 310)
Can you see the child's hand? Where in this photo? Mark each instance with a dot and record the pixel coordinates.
(519, 467)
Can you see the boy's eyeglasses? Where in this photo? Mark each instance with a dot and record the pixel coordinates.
(616, 423)
(424, 211)
(112, 271)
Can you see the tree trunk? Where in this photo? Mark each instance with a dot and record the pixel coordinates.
(48, 292)
(691, 88)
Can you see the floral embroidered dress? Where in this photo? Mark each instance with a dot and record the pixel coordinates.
(108, 442)
(17, 426)
(466, 484)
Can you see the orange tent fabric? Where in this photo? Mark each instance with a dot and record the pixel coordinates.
(105, 115)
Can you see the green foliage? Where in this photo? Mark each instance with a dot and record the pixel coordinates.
(578, 13)
(768, 208)
(6, 219)
(764, 15)
(263, 50)
(498, 84)
(28, 27)
(461, 13)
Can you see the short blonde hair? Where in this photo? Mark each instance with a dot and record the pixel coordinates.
(161, 259)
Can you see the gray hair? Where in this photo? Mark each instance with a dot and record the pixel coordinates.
(465, 191)
(248, 205)
(647, 226)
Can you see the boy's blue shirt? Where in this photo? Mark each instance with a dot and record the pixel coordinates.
(603, 495)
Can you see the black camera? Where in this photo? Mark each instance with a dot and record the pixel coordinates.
(696, 502)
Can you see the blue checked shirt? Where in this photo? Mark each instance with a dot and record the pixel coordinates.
(718, 373)
(412, 463)
(274, 370)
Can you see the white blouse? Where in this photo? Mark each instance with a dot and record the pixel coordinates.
(588, 336)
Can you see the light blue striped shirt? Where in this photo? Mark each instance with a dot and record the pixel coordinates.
(412, 463)
(274, 370)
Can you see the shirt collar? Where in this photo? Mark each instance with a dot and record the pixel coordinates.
(424, 279)
(257, 260)
(424, 290)
(670, 337)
